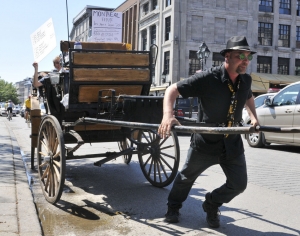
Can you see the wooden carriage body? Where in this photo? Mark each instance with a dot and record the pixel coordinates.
(124, 78)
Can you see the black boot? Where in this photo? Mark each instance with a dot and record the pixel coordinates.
(212, 212)
(172, 215)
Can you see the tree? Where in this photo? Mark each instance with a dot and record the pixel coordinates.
(8, 91)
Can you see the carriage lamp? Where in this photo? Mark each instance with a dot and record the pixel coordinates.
(202, 54)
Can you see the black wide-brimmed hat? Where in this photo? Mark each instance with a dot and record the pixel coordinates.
(237, 43)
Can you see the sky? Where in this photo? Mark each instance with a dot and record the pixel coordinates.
(19, 19)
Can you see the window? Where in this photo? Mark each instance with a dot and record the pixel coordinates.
(266, 5)
(218, 59)
(168, 3)
(287, 96)
(264, 64)
(298, 37)
(284, 36)
(154, 4)
(285, 7)
(298, 7)
(297, 67)
(145, 8)
(194, 62)
(153, 34)
(166, 63)
(144, 40)
(283, 66)
(167, 28)
(265, 32)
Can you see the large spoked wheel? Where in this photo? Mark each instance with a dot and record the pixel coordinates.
(159, 158)
(123, 145)
(51, 159)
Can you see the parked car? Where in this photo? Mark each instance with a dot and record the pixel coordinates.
(258, 101)
(17, 109)
(43, 109)
(3, 111)
(281, 110)
(186, 107)
(22, 111)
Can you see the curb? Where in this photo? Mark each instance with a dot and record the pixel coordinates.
(27, 216)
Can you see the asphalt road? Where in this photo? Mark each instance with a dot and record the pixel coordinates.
(116, 199)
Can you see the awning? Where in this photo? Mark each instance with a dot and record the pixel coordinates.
(261, 81)
(259, 86)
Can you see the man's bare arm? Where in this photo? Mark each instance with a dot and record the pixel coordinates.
(250, 107)
(168, 118)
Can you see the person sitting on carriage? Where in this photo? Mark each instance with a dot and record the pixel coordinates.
(57, 65)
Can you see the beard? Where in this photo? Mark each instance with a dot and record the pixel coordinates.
(241, 69)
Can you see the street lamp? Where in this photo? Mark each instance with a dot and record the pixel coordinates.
(163, 77)
(202, 54)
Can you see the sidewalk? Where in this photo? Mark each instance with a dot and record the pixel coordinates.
(18, 214)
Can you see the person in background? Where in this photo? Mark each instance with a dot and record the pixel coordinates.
(9, 106)
(27, 105)
(222, 91)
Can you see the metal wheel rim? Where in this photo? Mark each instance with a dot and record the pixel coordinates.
(51, 159)
(254, 137)
(160, 165)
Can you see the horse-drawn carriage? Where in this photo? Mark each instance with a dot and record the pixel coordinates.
(106, 98)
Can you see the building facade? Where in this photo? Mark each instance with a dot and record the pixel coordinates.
(130, 10)
(272, 28)
(23, 89)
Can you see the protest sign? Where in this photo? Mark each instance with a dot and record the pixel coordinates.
(43, 40)
(106, 26)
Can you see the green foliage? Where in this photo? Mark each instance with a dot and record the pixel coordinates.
(8, 91)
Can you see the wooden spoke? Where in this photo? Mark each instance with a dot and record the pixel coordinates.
(47, 181)
(150, 168)
(45, 173)
(45, 140)
(163, 168)
(44, 145)
(42, 153)
(56, 155)
(165, 154)
(56, 171)
(158, 171)
(43, 164)
(56, 163)
(55, 145)
(165, 162)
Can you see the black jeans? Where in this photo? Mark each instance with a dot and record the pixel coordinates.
(234, 168)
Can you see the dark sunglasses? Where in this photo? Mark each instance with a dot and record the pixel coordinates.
(242, 56)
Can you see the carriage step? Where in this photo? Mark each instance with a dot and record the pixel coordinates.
(114, 155)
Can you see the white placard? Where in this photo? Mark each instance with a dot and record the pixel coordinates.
(106, 26)
(43, 40)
